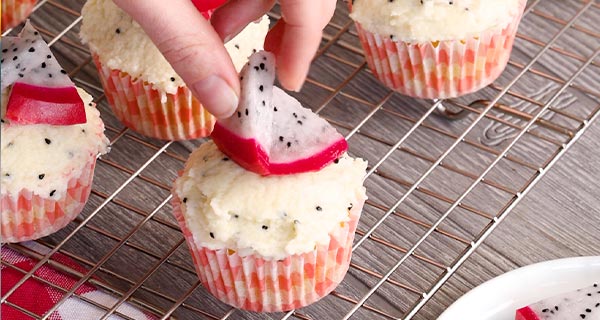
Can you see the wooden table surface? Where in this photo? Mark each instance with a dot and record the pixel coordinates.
(560, 217)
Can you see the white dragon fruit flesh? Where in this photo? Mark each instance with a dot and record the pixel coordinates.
(576, 305)
(40, 90)
(271, 133)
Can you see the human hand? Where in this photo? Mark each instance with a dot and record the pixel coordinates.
(194, 46)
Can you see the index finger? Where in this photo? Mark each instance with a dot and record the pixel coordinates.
(193, 49)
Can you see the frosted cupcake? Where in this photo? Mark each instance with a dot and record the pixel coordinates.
(434, 48)
(47, 173)
(263, 241)
(51, 136)
(268, 243)
(142, 88)
(15, 11)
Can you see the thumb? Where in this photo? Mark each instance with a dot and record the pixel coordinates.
(192, 47)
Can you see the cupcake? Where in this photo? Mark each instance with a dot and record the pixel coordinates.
(437, 49)
(51, 136)
(270, 242)
(142, 88)
(15, 11)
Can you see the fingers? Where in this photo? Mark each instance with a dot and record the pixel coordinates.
(193, 48)
(232, 17)
(296, 38)
(196, 52)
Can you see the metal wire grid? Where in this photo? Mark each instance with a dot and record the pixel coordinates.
(366, 291)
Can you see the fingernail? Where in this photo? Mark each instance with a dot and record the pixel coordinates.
(297, 87)
(290, 82)
(216, 96)
(293, 85)
(230, 35)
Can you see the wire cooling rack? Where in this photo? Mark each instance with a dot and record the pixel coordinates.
(442, 175)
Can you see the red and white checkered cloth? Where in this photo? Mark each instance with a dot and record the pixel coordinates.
(39, 297)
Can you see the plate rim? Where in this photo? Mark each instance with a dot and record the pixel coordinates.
(581, 261)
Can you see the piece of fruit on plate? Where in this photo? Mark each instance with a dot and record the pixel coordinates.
(270, 133)
(40, 90)
(576, 305)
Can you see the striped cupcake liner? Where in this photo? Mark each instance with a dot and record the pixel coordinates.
(164, 116)
(439, 69)
(15, 11)
(263, 285)
(28, 216)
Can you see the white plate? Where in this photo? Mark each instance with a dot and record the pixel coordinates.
(499, 298)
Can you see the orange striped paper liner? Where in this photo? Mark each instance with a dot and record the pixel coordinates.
(29, 216)
(15, 11)
(265, 285)
(439, 69)
(143, 109)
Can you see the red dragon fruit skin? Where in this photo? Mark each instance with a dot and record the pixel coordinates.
(252, 156)
(207, 7)
(29, 104)
(271, 133)
(41, 92)
(579, 304)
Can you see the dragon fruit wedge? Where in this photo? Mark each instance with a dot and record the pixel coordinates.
(271, 133)
(40, 90)
(579, 304)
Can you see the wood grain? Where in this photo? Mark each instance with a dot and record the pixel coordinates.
(559, 218)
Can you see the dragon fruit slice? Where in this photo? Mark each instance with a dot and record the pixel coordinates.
(580, 304)
(270, 132)
(41, 90)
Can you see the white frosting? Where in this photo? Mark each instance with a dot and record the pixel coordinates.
(274, 216)
(26, 154)
(131, 50)
(433, 20)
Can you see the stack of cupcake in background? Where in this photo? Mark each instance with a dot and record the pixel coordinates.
(15, 11)
(51, 136)
(437, 48)
(142, 88)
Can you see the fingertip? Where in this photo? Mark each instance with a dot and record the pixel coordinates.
(224, 114)
(232, 17)
(216, 95)
(289, 81)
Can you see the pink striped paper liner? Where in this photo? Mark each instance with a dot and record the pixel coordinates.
(265, 285)
(439, 69)
(138, 106)
(15, 11)
(28, 216)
